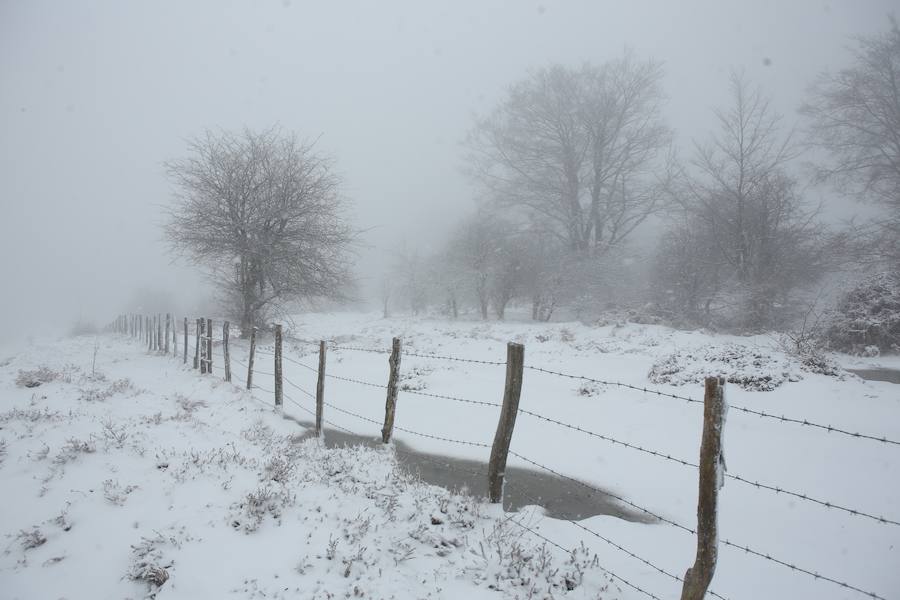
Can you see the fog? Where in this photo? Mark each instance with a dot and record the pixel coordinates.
(95, 96)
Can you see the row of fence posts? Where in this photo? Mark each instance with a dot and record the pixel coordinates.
(696, 579)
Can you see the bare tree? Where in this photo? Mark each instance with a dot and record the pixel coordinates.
(766, 238)
(578, 151)
(262, 211)
(855, 116)
(411, 274)
(686, 276)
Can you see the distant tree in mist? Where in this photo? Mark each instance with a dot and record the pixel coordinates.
(469, 256)
(854, 116)
(409, 273)
(263, 212)
(580, 152)
(687, 272)
(748, 224)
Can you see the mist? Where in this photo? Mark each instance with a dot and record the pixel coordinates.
(96, 96)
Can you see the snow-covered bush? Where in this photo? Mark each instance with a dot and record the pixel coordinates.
(868, 315)
(32, 538)
(751, 368)
(36, 377)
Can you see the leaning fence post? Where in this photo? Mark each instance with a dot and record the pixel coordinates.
(712, 478)
(197, 343)
(515, 358)
(185, 340)
(250, 359)
(279, 394)
(390, 404)
(227, 358)
(209, 345)
(320, 389)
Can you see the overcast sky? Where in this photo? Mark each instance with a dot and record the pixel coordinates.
(94, 96)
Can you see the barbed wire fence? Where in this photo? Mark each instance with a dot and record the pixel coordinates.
(149, 329)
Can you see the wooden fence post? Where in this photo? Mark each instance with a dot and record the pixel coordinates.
(390, 404)
(168, 328)
(712, 473)
(320, 389)
(185, 340)
(209, 344)
(197, 344)
(227, 358)
(201, 326)
(279, 392)
(250, 359)
(512, 391)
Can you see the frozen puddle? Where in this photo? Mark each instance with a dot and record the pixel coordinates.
(559, 497)
(878, 374)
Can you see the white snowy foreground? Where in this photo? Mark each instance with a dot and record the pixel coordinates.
(141, 478)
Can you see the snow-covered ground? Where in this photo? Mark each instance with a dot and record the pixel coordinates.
(153, 465)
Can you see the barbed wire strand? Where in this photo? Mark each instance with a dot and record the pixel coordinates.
(743, 409)
(409, 431)
(420, 355)
(613, 383)
(454, 398)
(359, 381)
(602, 568)
(624, 550)
(724, 541)
(297, 362)
(759, 413)
(808, 498)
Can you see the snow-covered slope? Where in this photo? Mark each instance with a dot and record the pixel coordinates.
(152, 465)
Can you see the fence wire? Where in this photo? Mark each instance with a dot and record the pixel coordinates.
(743, 409)
(762, 414)
(725, 542)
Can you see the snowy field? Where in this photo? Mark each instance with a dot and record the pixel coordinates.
(114, 473)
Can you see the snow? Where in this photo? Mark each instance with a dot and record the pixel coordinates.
(244, 509)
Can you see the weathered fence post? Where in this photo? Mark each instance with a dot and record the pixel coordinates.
(197, 343)
(168, 328)
(250, 359)
(227, 358)
(185, 340)
(201, 322)
(279, 392)
(209, 344)
(390, 404)
(512, 391)
(320, 389)
(712, 473)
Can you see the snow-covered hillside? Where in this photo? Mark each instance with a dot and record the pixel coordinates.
(141, 464)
